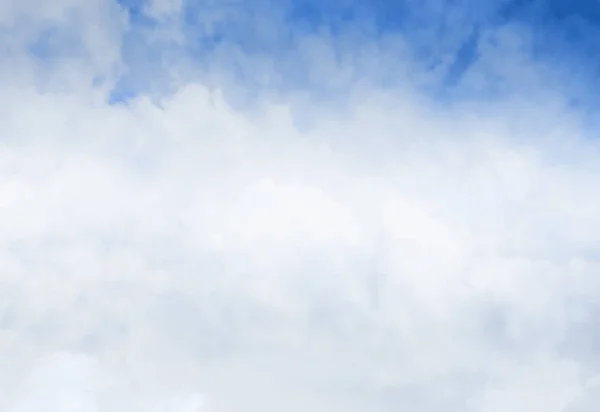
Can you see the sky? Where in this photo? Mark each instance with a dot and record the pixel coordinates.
(239, 206)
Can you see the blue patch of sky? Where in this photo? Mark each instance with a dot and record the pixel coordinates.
(443, 36)
(55, 42)
(137, 15)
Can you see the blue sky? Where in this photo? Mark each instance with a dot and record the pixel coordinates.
(443, 37)
(238, 206)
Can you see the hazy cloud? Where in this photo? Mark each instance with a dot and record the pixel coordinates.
(342, 241)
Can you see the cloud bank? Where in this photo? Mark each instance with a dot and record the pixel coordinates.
(235, 206)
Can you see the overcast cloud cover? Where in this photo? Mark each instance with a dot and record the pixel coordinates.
(299, 205)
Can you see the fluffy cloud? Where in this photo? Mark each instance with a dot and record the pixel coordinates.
(174, 253)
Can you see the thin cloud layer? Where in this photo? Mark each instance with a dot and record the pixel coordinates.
(374, 248)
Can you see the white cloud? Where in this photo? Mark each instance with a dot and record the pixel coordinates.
(185, 256)
(161, 8)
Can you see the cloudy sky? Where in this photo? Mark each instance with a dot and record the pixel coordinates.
(299, 205)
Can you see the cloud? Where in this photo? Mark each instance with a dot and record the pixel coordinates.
(304, 228)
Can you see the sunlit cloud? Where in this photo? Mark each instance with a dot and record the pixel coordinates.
(214, 206)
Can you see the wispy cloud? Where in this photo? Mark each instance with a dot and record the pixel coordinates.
(237, 206)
